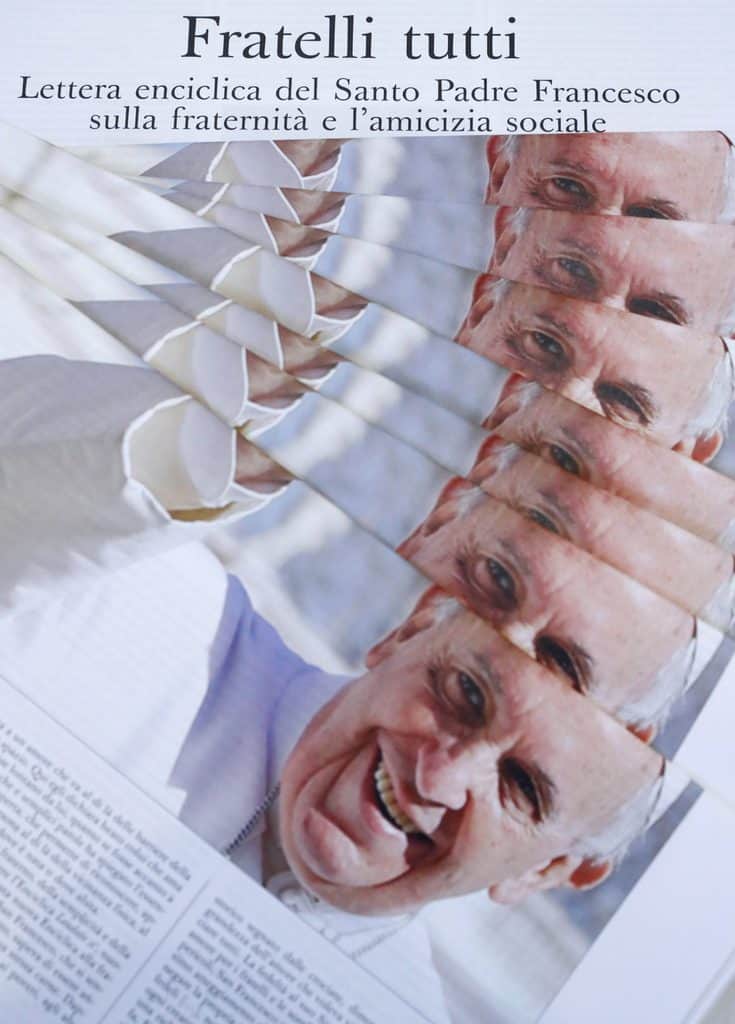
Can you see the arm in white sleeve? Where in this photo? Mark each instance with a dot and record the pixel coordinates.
(94, 459)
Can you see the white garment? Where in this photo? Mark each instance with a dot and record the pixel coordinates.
(92, 458)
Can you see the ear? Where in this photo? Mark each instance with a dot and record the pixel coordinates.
(505, 238)
(421, 618)
(509, 401)
(484, 465)
(498, 166)
(702, 448)
(644, 733)
(561, 871)
(483, 300)
(443, 512)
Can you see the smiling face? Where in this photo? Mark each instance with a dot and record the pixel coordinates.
(672, 176)
(535, 588)
(451, 765)
(645, 375)
(680, 273)
(613, 459)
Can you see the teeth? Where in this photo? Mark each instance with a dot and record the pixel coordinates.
(387, 796)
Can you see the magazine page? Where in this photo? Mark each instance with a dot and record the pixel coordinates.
(366, 504)
(113, 911)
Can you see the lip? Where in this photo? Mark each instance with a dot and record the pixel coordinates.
(376, 821)
(429, 815)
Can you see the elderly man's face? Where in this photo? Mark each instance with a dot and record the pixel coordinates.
(673, 176)
(647, 376)
(668, 560)
(680, 273)
(578, 442)
(600, 631)
(453, 764)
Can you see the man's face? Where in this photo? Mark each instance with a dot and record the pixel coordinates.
(680, 273)
(601, 632)
(674, 563)
(674, 176)
(578, 442)
(488, 770)
(646, 376)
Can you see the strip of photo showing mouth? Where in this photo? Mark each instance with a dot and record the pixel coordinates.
(318, 430)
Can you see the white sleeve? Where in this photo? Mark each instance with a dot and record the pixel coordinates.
(95, 462)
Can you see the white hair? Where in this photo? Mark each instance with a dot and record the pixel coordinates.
(714, 413)
(669, 684)
(727, 213)
(611, 843)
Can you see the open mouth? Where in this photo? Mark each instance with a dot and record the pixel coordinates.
(385, 798)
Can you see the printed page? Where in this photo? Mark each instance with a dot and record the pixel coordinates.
(113, 911)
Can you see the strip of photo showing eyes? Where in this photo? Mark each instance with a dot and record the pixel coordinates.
(249, 474)
(585, 257)
(666, 175)
(526, 414)
(642, 266)
(432, 501)
(450, 232)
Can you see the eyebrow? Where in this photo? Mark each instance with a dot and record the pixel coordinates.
(575, 439)
(575, 165)
(667, 206)
(559, 325)
(558, 506)
(585, 248)
(515, 554)
(488, 675)
(642, 396)
(674, 302)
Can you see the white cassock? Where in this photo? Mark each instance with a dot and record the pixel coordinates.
(128, 631)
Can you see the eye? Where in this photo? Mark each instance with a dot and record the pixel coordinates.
(569, 191)
(575, 273)
(564, 459)
(554, 655)
(486, 583)
(618, 403)
(541, 349)
(656, 310)
(539, 517)
(459, 694)
(502, 580)
(518, 789)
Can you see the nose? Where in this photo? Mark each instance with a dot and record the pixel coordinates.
(441, 776)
